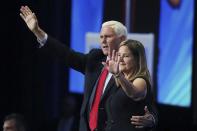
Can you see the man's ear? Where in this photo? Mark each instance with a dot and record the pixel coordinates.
(123, 38)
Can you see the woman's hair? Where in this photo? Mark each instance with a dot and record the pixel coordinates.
(138, 51)
(118, 27)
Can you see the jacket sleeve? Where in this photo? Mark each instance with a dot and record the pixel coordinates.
(71, 58)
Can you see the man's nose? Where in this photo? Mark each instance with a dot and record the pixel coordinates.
(121, 58)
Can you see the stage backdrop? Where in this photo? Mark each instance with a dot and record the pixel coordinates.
(87, 15)
(175, 53)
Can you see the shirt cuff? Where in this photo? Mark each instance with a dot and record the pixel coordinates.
(42, 42)
(154, 121)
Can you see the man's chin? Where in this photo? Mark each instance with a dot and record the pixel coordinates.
(105, 52)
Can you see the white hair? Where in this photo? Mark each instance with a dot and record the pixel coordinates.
(118, 27)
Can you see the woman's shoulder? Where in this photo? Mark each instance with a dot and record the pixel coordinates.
(142, 77)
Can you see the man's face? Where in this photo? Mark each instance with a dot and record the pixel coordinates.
(109, 40)
(9, 125)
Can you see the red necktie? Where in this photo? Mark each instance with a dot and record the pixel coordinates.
(94, 110)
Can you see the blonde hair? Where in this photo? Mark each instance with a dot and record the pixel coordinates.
(118, 27)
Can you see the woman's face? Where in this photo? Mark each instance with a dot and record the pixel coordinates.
(127, 61)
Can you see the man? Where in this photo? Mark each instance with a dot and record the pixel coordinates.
(112, 33)
(14, 122)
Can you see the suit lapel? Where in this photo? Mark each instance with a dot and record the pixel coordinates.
(91, 91)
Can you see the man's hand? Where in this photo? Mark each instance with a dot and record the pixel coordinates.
(29, 17)
(147, 120)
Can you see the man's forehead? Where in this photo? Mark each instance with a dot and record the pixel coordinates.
(108, 31)
(108, 28)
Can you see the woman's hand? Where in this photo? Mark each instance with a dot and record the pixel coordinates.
(113, 62)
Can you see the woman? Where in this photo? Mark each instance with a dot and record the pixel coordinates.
(133, 90)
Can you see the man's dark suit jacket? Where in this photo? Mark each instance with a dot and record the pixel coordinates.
(91, 66)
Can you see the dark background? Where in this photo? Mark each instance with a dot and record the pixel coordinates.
(34, 84)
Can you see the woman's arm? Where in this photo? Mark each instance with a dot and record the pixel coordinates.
(136, 90)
